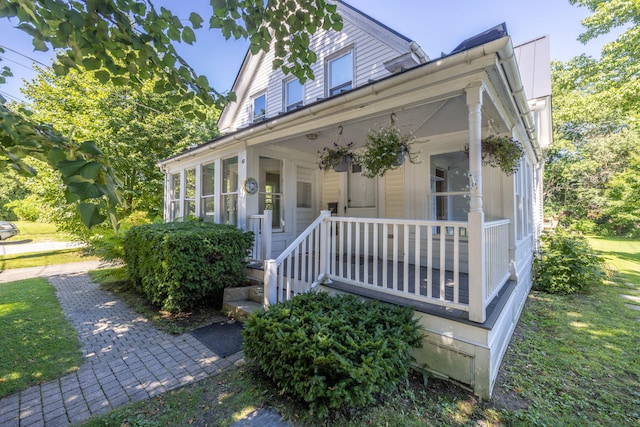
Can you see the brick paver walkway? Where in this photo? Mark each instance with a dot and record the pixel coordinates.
(126, 360)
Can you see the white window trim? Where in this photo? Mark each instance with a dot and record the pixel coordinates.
(327, 68)
(285, 95)
(253, 117)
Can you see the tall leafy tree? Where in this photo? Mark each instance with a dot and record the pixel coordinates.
(135, 129)
(596, 112)
(127, 43)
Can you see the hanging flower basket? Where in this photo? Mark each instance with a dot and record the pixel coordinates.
(386, 148)
(500, 151)
(337, 157)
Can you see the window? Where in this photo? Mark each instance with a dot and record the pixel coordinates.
(361, 190)
(449, 189)
(259, 108)
(229, 209)
(293, 94)
(189, 194)
(271, 190)
(524, 213)
(207, 193)
(303, 199)
(340, 74)
(174, 196)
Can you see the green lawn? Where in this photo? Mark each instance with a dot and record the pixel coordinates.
(38, 343)
(38, 259)
(38, 232)
(572, 361)
(623, 255)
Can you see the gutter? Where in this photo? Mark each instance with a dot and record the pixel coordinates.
(510, 67)
(502, 47)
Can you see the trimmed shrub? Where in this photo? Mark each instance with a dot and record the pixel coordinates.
(566, 263)
(332, 352)
(179, 264)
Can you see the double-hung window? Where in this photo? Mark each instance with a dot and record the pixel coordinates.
(190, 193)
(174, 196)
(229, 196)
(293, 94)
(340, 73)
(259, 107)
(207, 192)
(449, 189)
(271, 196)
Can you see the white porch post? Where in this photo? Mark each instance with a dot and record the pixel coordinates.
(477, 289)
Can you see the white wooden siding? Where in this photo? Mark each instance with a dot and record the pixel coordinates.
(394, 189)
(372, 46)
(330, 188)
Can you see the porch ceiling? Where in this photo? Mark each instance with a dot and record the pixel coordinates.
(424, 120)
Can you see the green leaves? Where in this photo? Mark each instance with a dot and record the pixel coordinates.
(332, 352)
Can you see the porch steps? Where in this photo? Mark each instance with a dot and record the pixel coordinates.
(240, 302)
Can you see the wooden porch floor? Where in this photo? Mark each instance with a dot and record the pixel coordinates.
(493, 309)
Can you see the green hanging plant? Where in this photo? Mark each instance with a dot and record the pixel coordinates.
(386, 148)
(336, 157)
(500, 151)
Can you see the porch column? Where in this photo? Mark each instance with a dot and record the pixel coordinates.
(477, 289)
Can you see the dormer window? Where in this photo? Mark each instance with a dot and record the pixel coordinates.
(293, 94)
(340, 73)
(259, 107)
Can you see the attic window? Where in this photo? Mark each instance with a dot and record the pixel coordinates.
(340, 73)
(293, 94)
(259, 107)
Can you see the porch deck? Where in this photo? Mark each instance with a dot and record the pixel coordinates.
(357, 270)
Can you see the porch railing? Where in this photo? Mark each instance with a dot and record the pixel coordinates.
(496, 244)
(420, 260)
(415, 259)
(261, 227)
(299, 267)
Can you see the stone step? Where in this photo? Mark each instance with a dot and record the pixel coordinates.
(253, 293)
(240, 310)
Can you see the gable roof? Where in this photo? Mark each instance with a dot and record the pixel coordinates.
(375, 29)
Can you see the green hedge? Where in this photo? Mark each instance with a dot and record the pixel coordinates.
(566, 263)
(332, 352)
(177, 265)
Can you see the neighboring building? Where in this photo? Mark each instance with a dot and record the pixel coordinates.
(390, 237)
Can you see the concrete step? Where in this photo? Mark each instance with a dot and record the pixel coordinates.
(240, 310)
(253, 293)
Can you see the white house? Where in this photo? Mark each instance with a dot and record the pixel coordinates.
(448, 236)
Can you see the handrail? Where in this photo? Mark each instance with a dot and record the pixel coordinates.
(291, 248)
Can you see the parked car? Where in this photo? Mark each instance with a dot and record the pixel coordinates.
(7, 229)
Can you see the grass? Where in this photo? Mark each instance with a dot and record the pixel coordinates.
(38, 343)
(621, 255)
(38, 232)
(38, 259)
(573, 360)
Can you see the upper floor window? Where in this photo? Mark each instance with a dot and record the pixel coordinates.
(260, 107)
(293, 94)
(340, 73)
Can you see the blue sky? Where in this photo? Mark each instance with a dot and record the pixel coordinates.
(437, 25)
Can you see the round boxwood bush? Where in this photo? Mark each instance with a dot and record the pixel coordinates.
(566, 263)
(332, 352)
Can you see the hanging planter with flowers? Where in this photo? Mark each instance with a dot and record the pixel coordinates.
(500, 151)
(385, 149)
(337, 157)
